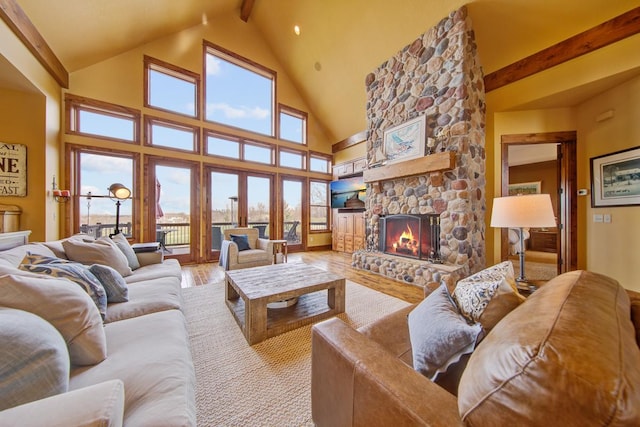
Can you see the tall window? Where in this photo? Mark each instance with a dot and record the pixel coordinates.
(239, 93)
(96, 172)
(171, 88)
(293, 125)
(319, 205)
(102, 119)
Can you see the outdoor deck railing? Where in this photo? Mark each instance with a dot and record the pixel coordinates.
(179, 234)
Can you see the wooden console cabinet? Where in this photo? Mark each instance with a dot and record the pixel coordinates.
(543, 241)
(348, 231)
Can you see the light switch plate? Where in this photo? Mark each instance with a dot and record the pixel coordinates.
(607, 218)
(597, 217)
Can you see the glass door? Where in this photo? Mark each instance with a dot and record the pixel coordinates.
(172, 206)
(258, 210)
(236, 199)
(292, 224)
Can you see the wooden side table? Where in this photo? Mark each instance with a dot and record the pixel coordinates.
(279, 247)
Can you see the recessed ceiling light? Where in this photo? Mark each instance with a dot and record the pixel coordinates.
(296, 30)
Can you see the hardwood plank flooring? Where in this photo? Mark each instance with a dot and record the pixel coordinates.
(336, 262)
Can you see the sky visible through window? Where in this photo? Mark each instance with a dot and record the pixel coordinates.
(235, 96)
(291, 128)
(238, 97)
(171, 93)
(97, 173)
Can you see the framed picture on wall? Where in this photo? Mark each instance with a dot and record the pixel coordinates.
(405, 141)
(615, 179)
(13, 169)
(525, 188)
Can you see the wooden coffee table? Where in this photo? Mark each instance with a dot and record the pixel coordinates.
(248, 291)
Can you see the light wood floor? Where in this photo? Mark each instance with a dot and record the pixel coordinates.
(336, 262)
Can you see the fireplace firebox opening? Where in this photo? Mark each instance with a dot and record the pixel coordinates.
(411, 236)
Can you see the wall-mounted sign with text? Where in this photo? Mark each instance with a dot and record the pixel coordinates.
(13, 170)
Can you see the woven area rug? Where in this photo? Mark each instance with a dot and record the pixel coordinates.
(266, 384)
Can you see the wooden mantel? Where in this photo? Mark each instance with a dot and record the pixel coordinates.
(422, 165)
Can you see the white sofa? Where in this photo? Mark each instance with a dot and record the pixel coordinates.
(147, 377)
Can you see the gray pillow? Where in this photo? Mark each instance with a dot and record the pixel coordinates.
(34, 360)
(439, 334)
(123, 244)
(112, 282)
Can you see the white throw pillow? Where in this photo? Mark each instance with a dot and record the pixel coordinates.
(102, 251)
(66, 306)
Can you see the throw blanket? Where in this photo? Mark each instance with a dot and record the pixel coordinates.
(224, 254)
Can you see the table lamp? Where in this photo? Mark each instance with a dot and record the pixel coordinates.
(530, 210)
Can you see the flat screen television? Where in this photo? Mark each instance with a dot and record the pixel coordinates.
(348, 193)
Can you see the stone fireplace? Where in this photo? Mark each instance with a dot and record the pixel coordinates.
(439, 76)
(411, 236)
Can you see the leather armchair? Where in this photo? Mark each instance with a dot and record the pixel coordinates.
(261, 252)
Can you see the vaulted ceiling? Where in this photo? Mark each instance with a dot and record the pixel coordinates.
(341, 41)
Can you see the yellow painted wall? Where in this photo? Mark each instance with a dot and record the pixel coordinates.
(518, 122)
(119, 80)
(610, 249)
(31, 116)
(350, 153)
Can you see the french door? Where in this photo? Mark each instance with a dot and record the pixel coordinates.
(292, 212)
(236, 199)
(172, 207)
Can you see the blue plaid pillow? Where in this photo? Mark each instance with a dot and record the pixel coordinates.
(112, 282)
(242, 241)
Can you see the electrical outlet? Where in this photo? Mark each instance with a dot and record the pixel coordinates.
(597, 217)
(607, 218)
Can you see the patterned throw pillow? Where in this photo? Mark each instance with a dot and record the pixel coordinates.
(488, 295)
(35, 259)
(242, 241)
(112, 282)
(76, 273)
(439, 334)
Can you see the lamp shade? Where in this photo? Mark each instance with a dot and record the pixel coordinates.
(531, 210)
(119, 191)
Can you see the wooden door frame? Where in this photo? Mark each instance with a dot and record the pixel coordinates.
(243, 174)
(567, 191)
(304, 214)
(149, 203)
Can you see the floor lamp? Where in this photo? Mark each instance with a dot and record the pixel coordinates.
(531, 210)
(118, 192)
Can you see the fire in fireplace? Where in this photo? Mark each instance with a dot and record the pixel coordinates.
(413, 236)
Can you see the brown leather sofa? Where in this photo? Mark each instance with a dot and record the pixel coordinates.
(567, 356)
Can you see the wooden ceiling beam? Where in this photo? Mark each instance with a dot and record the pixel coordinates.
(349, 142)
(616, 29)
(246, 9)
(15, 18)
